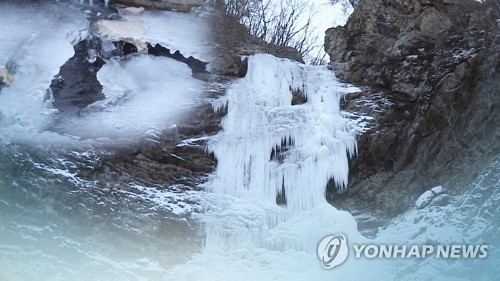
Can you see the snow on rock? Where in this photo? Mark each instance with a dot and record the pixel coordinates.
(175, 200)
(427, 197)
(131, 10)
(469, 217)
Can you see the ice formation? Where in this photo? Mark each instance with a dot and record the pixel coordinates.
(33, 46)
(142, 94)
(271, 149)
(261, 120)
(266, 209)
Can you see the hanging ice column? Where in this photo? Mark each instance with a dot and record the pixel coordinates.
(269, 148)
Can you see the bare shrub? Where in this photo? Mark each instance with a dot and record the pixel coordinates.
(280, 23)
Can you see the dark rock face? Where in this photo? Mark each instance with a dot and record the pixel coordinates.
(429, 71)
(198, 67)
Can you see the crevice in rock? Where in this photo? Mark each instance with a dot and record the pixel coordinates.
(332, 189)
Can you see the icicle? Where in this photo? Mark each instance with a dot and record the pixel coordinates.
(272, 153)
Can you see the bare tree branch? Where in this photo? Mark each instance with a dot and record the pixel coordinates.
(282, 24)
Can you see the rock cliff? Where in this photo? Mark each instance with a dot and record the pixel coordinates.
(429, 71)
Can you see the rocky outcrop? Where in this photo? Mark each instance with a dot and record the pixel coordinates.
(430, 75)
(76, 86)
(176, 5)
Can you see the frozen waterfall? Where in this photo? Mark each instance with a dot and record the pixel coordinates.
(269, 148)
(266, 208)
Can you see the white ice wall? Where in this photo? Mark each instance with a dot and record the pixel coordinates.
(260, 116)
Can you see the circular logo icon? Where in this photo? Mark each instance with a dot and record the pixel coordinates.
(333, 250)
